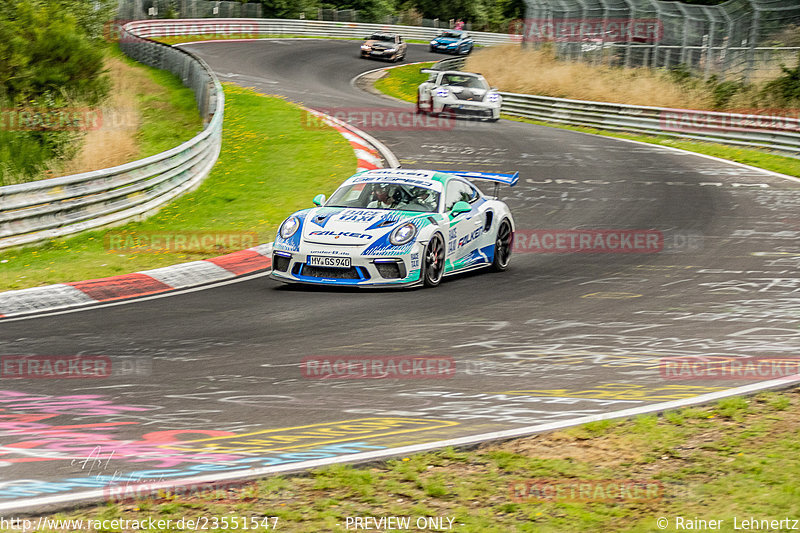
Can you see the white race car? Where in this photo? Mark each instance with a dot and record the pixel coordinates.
(396, 227)
(459, 93)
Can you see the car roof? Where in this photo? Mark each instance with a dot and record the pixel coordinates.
(383, 34)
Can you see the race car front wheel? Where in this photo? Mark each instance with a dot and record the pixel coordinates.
(502, 246)
(433, 270)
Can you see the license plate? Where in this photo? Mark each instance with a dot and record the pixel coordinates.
(328, 261)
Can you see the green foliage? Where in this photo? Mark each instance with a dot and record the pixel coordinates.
(45, 53)
(786, 88)
(723, 91)
(51, 57)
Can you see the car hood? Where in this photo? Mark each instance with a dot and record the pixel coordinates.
(466, 93)
(382, 45)
(352, 227)
(446, 40)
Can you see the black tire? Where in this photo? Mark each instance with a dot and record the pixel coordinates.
(433, 262)
(503, 242)
(420, 111)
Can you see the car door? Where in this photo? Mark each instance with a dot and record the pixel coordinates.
(466, 229)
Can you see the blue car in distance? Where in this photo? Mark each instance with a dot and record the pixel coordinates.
(453, 42)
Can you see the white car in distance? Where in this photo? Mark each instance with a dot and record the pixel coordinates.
(458, 93)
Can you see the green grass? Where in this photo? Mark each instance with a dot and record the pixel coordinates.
(737, 458)
(271, 164)
(169, 116)
(402, 82)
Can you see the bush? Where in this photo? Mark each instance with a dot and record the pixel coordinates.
(785, 90)
(51, 58)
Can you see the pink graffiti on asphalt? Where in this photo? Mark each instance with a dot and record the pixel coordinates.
(71, 441)
(81, 404)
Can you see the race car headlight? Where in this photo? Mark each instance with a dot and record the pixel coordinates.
(403, 234)
(434, 42)
(442, 93)
(365, 47)
(493, 98)
(452, 45)
(289, 227)
(391, 50)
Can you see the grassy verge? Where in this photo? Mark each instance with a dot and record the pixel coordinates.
(270, 165)
(147, 111)
(736, 459)
(401, 82)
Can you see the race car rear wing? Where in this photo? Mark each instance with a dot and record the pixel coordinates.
(506, 179)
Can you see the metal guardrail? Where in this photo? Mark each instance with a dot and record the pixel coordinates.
(41, 210)
(315, 28)
(778, 133)
(772, 132)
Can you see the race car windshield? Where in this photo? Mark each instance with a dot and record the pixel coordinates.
(381, 37)
(395, 196)
(451, 35)
(470, 82)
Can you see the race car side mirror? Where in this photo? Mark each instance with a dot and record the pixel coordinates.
(460, 207)
(319, 200)
(427, 71)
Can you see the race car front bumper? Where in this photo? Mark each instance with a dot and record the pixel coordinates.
(469, 108)
(384, 270)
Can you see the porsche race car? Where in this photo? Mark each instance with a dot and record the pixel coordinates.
(458, 93)
(396, 227)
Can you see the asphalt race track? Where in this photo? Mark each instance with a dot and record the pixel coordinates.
(209, 382)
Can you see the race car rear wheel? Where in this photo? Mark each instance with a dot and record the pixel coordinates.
(502, 246)
(433, 269)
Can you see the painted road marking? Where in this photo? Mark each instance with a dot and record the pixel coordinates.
(296, 437)
(623, 391)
